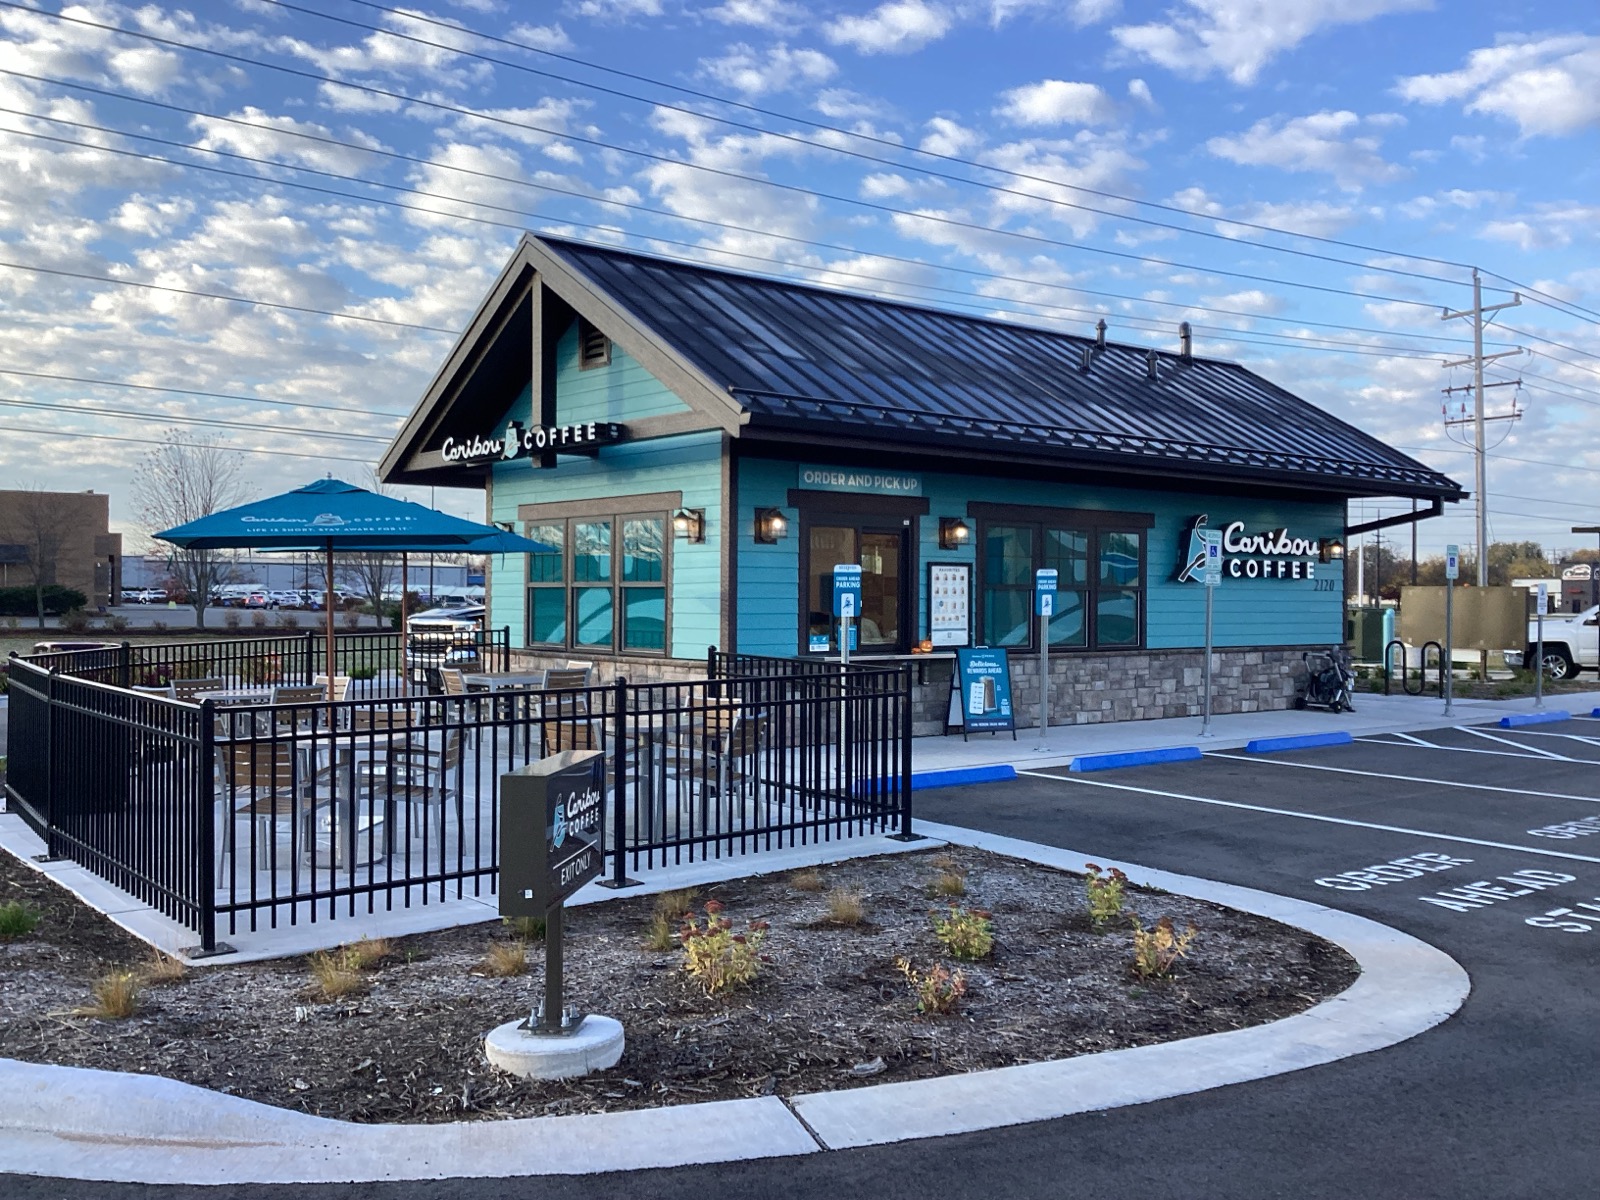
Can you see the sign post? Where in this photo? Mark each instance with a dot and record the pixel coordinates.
(1452, 571)
(846, 603)
(1541, 610)
(550, 827)
(1044, 604)
(1213, 580)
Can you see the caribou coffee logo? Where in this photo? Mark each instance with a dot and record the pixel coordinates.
(519, 442)
(559, 833)
(1267, 554)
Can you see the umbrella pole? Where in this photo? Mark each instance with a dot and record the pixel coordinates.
(328, 596)
(405, 616)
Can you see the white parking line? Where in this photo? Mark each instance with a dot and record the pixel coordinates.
(1267, 761)
(1381, 740)
(1289, 812)
(1504, 741)
(1575, 737)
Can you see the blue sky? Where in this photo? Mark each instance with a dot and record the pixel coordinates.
(1048, 162)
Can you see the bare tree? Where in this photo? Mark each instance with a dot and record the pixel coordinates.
(38, 524)
(183, 480)
(371, 575)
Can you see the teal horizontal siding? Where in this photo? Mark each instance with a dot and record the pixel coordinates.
(768, 576)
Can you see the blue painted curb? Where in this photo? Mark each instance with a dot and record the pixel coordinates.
(957, 776)
(1536, 718)
(1595, 713)
(1300, 741)
(1134, 758)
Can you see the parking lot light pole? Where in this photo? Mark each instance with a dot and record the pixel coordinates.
(1452, 568)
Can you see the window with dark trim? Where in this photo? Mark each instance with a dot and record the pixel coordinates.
(1099, 560)
(594, 347)
(601, 585)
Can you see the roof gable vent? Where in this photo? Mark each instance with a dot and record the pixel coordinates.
(1087, 359)
(1150, 361)
(594, 347)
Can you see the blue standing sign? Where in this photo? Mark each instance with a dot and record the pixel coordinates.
(1044, 593)
(983, 681)
(847, 590)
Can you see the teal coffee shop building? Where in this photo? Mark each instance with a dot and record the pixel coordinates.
(698, 449)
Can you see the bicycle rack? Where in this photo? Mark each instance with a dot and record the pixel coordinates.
(1422, 673)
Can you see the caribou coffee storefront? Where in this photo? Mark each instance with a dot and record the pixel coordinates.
(699, 449)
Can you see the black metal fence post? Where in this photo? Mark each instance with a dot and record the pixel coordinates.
(124, 666)
(50, 841)
(619, 791)
(309, 674)
(207, 836)
(505, 647)
(903, 732)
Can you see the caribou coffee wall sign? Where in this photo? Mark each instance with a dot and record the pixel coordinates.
(1249, 554)
(520, 442)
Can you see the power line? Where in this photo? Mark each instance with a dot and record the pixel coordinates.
(719, 172)
(111, 437)
(988, 305)
(150, 387)
(1551, 342)
(161, 287)
(840, 131)
(1547, 299)
(589, 197)
(943, 175)
(124, 415)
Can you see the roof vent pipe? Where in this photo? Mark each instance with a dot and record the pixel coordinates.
(1087, 360)
(1150, 364)
(1185, 341)
(1100, 334)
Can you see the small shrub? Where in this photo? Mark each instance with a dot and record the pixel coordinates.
(232, 618)
(938, 990)
(116, 997)
(12, 623)
(529, 929)
(1156, 951)
(1105, 893)
(332, 976)
(366, 953)
(966, 933)
(158, 626)
(659, 935)
(116, 623)
(259, 618)
(809, 880)
(75, 620)
(846, 906)
(352, 620)
(949, 884)
(676, 904)
(16, 918)
(265, 668)
(505, 959)
(363, 672)
(162, 969)
(288, 620)
(715, 955)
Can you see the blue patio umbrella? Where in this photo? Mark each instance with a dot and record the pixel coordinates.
(334, 516)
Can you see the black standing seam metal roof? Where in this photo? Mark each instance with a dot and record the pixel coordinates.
(804, 358)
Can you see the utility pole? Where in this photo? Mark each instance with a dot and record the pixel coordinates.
(1477, 420)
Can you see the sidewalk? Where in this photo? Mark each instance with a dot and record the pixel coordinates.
(1374, 714)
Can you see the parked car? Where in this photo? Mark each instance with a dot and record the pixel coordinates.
(1571, 644)
(443, 637)
(285, 599)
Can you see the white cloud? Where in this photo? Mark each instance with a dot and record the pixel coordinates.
(1549, 86)
(777, 15)
(1326, 142)
(1056, 170)
(1079, 12)
(618, 10)
(751, 73)
(841, 104)
(268, 136)
(541, 37)
(1056, 102)
(1139, 90)
(898, 27)
(434, 56)
(949, 138)
(1546, 226)
(1240, 37)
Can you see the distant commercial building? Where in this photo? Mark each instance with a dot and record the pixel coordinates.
(73, 529)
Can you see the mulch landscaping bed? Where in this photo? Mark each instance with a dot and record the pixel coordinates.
(830, 1009)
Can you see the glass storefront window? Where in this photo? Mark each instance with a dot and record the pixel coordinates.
(547, 566)
(592, 616)
(602, 582)
(644, 618)
(643, 559)
(1100, 582)
(591, 552)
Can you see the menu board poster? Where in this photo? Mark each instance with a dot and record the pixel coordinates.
(983, 679)
(949, 604)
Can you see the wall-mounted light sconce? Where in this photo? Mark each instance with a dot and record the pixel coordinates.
(771, 525)
(505, 526)
(690, 524)
(954, 533)
(1332, 550)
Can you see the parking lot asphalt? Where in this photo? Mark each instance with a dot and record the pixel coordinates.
(1485, 842)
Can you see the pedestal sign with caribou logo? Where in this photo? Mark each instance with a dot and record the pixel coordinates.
(550, 831)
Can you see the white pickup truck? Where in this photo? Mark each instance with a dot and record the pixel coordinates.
(1571, 643)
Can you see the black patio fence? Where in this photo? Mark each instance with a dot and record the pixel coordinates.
(230, 817)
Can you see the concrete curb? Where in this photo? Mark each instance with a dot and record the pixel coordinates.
(1134, 758)
(1299, 741)
(78, 1124)
(960, 776)
(1515, 720)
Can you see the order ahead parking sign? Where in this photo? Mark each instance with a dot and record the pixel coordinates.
(847, 590)
(1044, 593)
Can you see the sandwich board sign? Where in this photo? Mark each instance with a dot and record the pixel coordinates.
(983, 691)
